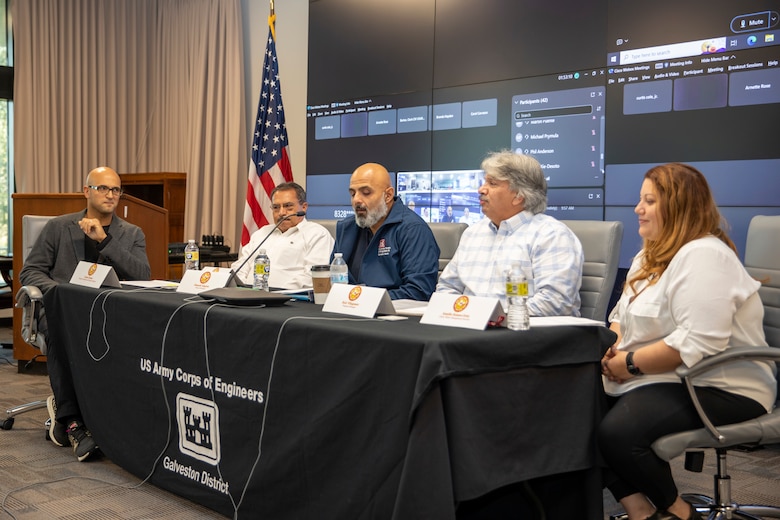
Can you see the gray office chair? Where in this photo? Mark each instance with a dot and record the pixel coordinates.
(30, 300)
(447, 235)
(601, 247)
(329, 224)
(762, 260)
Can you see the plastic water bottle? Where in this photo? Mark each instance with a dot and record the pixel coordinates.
(262, 271)
(191, 255)
(517, 299)
(338, 270)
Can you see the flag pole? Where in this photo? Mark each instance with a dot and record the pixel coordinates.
(272, 21)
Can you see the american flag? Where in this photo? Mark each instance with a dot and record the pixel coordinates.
(270, 163)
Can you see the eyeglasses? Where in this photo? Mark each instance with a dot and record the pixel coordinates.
(288, 206)
(103, 190)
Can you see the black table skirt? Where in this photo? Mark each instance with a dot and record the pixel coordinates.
(289, 412)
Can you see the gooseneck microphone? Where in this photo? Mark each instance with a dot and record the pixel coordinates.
(234, 274)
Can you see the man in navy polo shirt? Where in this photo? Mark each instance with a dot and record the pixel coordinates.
(386, 244)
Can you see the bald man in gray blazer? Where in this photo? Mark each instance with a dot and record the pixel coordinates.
(94, 235)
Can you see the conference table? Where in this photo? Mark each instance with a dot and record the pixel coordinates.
(290, 412)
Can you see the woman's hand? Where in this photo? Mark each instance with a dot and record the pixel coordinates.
(613, 365)
(656, 358)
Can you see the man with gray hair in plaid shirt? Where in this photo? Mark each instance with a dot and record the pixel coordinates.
(515, 229)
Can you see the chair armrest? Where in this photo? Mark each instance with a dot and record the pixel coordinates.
(735, 353)
(751, 353)
(30, 299)
(30, 291)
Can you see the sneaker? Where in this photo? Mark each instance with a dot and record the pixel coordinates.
(56, 433)
(81, 439)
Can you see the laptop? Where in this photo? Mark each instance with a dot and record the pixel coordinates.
(243, 296)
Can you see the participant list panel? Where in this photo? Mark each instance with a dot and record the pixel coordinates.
(564, 131)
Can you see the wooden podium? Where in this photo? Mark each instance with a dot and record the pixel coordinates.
(152, 219)
(167, 190)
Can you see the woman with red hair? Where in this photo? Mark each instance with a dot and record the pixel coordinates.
(687, 296)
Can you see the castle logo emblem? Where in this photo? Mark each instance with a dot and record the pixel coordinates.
(198, 424)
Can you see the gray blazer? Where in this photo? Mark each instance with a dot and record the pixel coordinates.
(60, 247)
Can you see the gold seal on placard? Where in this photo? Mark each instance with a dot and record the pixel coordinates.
(460, 304)
(354, 294)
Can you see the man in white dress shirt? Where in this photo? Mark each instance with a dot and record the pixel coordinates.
(293, 247)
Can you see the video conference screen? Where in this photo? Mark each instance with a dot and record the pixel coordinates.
(598, 92)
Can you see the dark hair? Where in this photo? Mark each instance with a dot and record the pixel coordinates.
(299, 192)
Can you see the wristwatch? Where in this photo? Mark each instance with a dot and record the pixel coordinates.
(630, 366)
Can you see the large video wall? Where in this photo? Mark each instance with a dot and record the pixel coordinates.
(597, 91)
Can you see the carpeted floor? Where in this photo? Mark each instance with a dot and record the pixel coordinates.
(755, 478)
(39, 480)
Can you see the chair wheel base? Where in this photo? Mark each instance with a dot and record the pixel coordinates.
(698, 500)
(7, 424)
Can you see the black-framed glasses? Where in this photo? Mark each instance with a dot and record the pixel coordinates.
(103, 190)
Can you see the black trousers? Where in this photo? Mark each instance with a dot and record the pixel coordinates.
(638, 418)
(60, 376)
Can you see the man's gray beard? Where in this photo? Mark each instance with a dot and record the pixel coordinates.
(372, 215)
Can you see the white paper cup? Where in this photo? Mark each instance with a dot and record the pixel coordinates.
(320, 277)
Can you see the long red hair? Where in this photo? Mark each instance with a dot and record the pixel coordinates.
(688, 212)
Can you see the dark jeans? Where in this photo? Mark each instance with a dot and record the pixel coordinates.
(637, 419)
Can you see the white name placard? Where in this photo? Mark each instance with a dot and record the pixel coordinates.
(195, 281)
(90, 274)
(459, 310)
(358, 300)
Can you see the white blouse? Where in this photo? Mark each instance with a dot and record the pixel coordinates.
(703, 303)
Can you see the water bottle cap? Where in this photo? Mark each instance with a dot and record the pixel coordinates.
(337, 255)
(191, 241)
